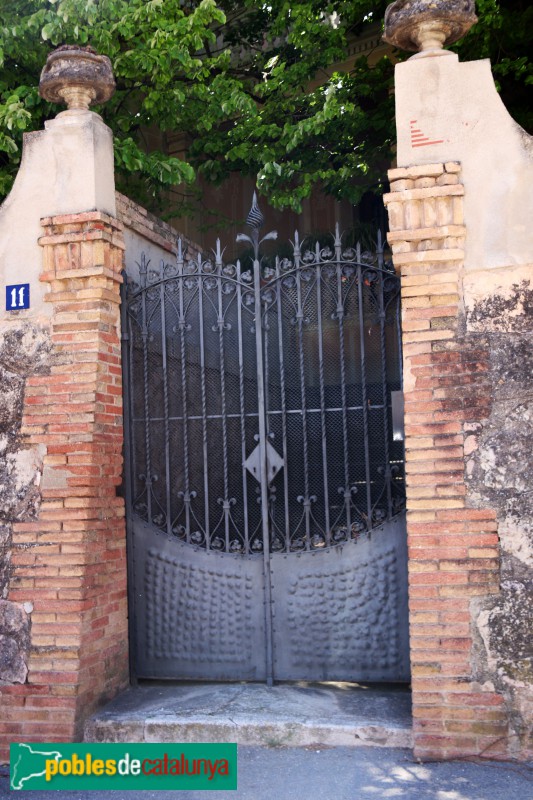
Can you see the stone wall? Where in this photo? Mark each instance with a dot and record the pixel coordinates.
(459, 211)
(63, 609)
(68, 559)
(453, 547)
(24, 351)
(499, 474)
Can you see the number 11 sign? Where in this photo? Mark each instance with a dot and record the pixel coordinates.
(17, 296)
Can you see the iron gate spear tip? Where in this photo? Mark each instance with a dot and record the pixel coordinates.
(255, 218)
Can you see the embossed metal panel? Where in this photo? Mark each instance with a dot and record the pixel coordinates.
(199, 614)
(341, 614)
(264, 486)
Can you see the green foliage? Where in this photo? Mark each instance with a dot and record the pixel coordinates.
(251, 85)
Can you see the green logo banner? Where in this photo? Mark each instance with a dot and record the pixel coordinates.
(123, 766)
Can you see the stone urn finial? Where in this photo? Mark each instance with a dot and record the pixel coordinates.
(428, 25)
(77, 76)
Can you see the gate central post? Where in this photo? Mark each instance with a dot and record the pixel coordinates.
(254, 221)
(263, 461)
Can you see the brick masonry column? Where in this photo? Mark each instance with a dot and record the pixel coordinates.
(453, 546)
(70, 562)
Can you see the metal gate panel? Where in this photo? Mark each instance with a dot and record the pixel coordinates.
(198, 614)
(331, 344)
(341, 614)
(264, 486)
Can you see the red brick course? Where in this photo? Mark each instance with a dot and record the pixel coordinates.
(453, 549)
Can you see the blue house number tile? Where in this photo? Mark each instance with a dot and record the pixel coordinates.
(17, 296)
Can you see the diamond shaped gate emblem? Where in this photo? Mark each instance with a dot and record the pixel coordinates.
(274, 463)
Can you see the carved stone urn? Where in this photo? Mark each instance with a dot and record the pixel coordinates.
(428, 25)
(76, 76)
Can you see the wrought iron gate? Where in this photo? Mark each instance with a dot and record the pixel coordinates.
(264, 485)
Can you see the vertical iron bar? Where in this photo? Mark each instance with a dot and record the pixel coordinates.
(148, 462)
(385, 393)
(165, 400)
(128, 472)
(305, 444)
(322, 394)
(242, 412)
(204, 400)
(342, 359)
(379, 251)
(224, 421)
(266, 371)
(130, 458)
(398, 317)
(263, 459)
(186, 477)
(283, 409)
(363, 386)
(266, 365)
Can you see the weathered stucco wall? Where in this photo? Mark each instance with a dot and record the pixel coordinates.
(450, 112)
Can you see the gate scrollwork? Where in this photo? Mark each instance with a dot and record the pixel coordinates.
(330, 330)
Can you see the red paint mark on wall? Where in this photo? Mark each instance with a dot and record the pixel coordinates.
(419, 139)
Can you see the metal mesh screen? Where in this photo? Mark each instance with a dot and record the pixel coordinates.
(331, 353)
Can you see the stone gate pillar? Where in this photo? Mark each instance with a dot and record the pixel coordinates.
(63, 616)
(460, 210)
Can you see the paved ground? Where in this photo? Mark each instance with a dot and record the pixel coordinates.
(299, 715)
(293, 714)
(339, 773)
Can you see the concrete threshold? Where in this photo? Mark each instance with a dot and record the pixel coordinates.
(291, 714)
